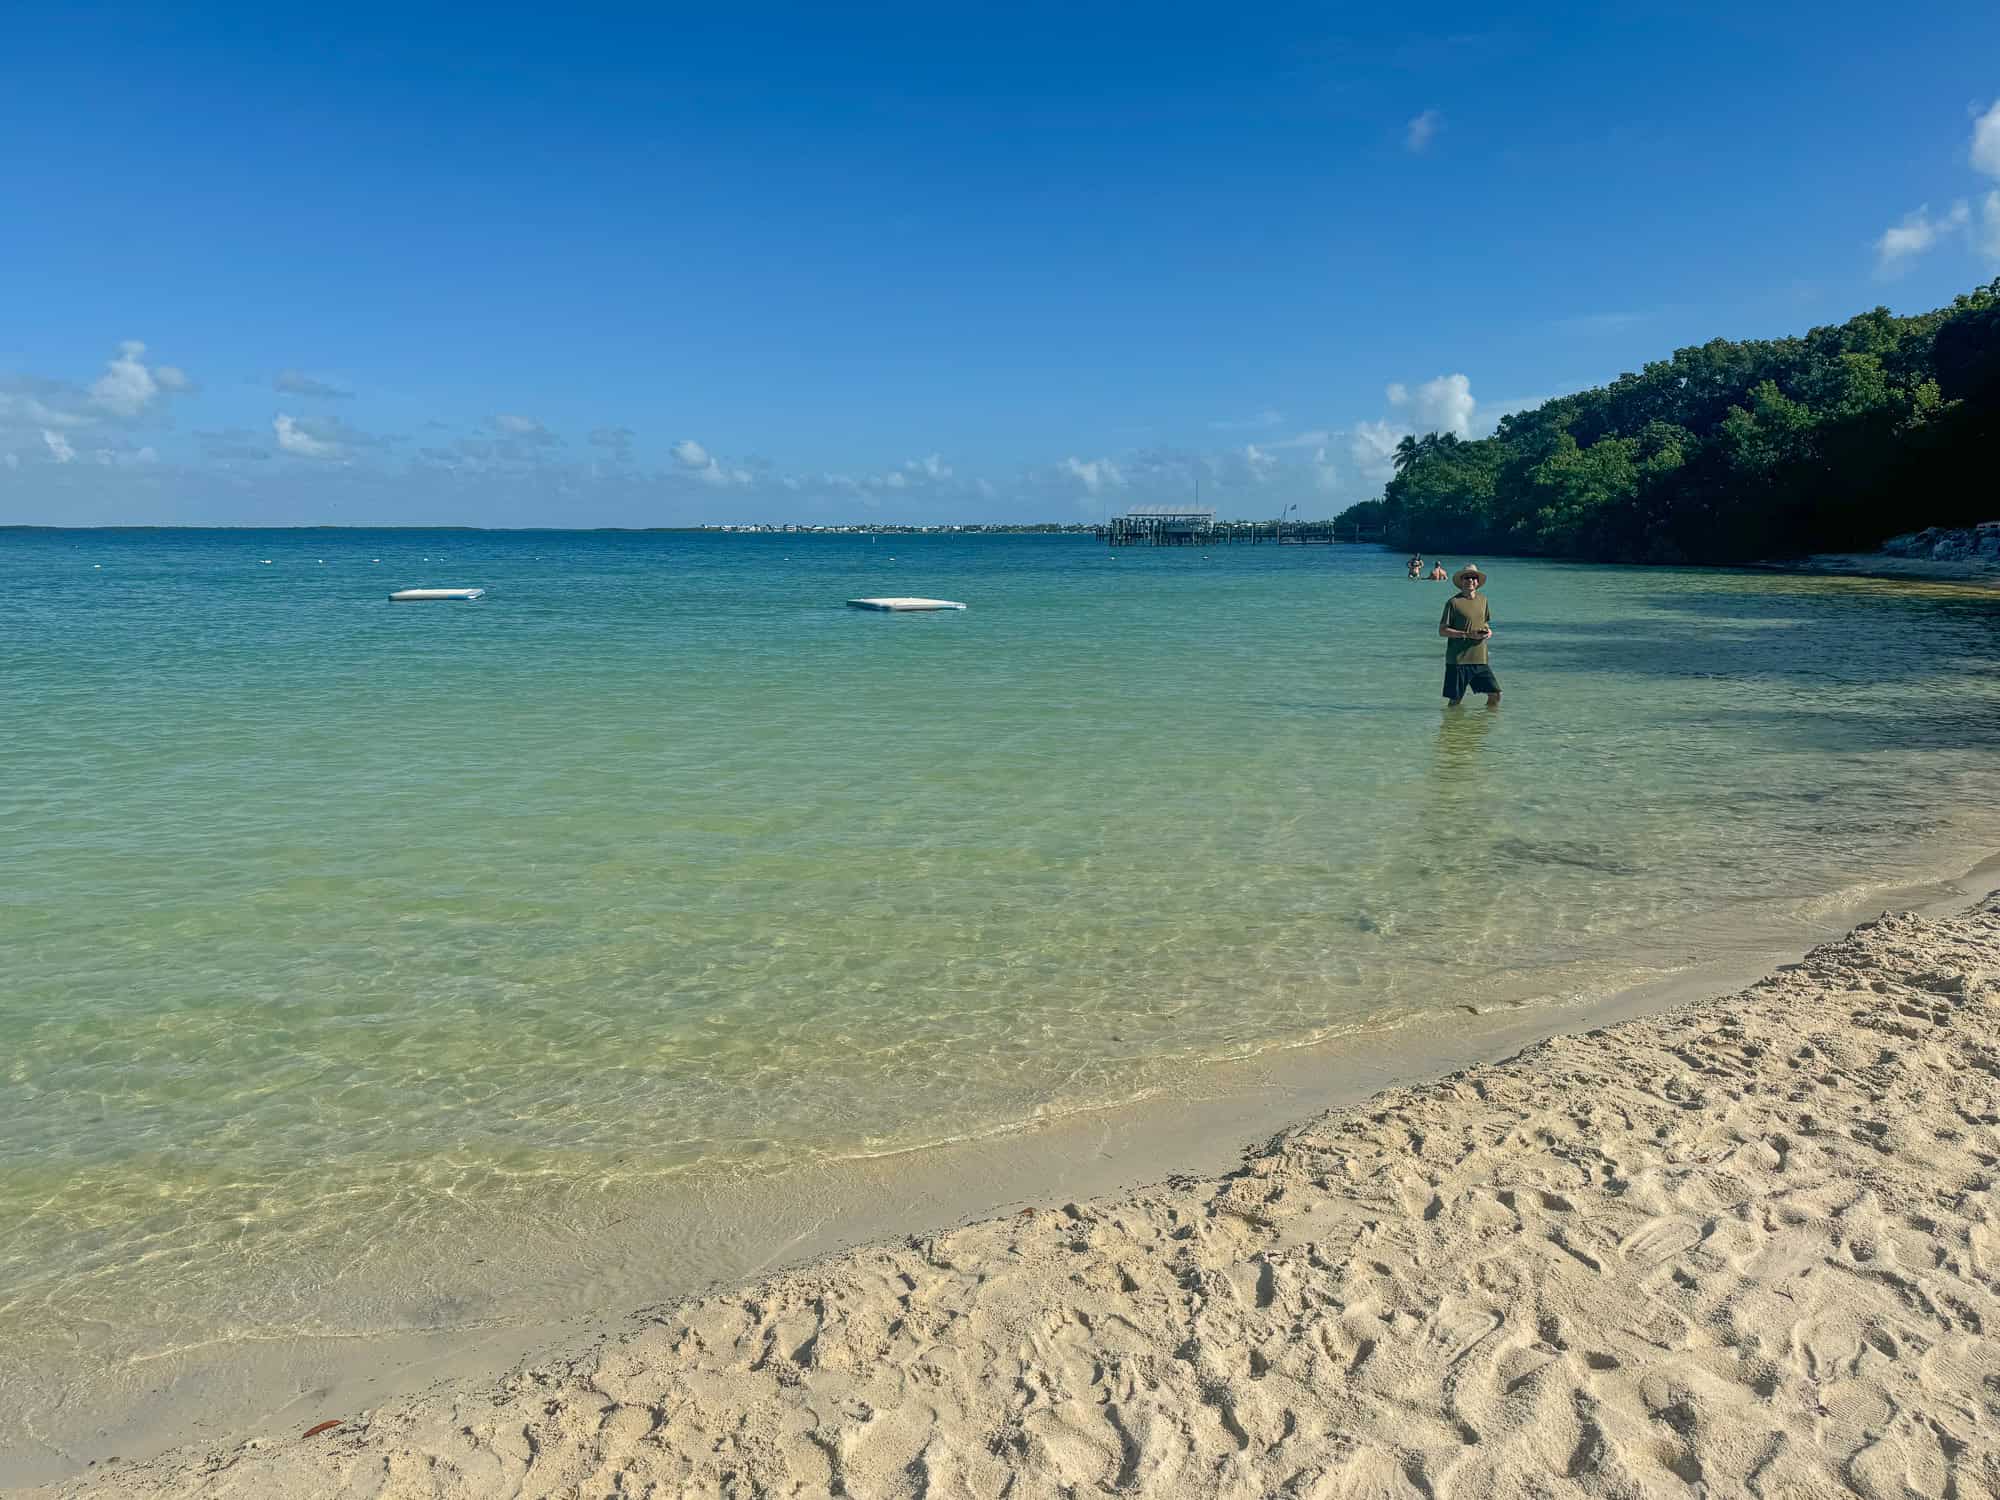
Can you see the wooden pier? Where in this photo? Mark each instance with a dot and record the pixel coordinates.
(1193, 528)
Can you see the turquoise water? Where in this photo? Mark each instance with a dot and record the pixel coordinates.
(331, 925)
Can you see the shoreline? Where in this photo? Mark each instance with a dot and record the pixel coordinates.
(1980, 571)
(1114, 1153)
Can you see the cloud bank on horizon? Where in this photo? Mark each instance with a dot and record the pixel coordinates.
(335, 466)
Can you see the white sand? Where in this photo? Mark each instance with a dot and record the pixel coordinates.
(1746, 1248)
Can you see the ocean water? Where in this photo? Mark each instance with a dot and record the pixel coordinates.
(329, 926)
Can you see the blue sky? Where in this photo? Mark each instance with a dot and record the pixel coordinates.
(591, 266)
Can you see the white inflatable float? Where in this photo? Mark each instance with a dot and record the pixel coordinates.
(902, 603)
(414, 596)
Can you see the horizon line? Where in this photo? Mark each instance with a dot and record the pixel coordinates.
(6, 526)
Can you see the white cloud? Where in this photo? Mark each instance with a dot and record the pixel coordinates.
(1098, 474)
(1916, 234)
(933, 467)
(1261, 463)
(1325, 477)
(127, 387)
(705, 466)
(32, 411)
(1441, 405)
(1420, 132)
(123, 458)
(298, 383)
(523, 427)
(1919, 232)
(293, 438)
(520, 442)
(1373, 448)
(126, 391)
(1985, 154)
(59, 447)
(1445, 404)
(895, 481)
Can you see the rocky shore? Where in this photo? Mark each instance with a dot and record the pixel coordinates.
(1945, 544)
(1969, 554)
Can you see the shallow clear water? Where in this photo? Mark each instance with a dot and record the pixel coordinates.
(330, 924)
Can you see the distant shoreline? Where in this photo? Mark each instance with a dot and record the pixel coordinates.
(1976, 570)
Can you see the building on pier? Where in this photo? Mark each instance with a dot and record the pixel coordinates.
(1161, 525)
(1191, 526)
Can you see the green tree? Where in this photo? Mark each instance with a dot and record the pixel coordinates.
(1728, 451)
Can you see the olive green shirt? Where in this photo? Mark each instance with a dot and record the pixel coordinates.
(1465, 612)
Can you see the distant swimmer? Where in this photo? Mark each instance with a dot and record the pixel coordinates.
(1438, 574)
(1417, 566)
(1466, 625)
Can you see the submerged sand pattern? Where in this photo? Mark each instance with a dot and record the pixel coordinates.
(1748, 1247)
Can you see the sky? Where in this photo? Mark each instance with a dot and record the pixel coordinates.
(660, 266)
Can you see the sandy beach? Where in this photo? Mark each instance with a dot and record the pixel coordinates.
(1744, 1247)
(513, 988)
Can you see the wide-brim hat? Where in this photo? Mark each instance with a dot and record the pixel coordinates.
(1470, 570)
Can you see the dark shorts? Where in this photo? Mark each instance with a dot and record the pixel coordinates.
(1472, 677)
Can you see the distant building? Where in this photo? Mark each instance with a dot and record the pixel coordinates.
(1164, 524)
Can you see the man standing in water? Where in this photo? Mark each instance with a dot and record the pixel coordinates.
(1467, 622)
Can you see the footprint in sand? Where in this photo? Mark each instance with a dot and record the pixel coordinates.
(1657, 1239)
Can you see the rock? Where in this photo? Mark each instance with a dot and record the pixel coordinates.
(1947, 544)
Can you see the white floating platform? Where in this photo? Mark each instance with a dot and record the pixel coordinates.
(413, 596)
(901, 602)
